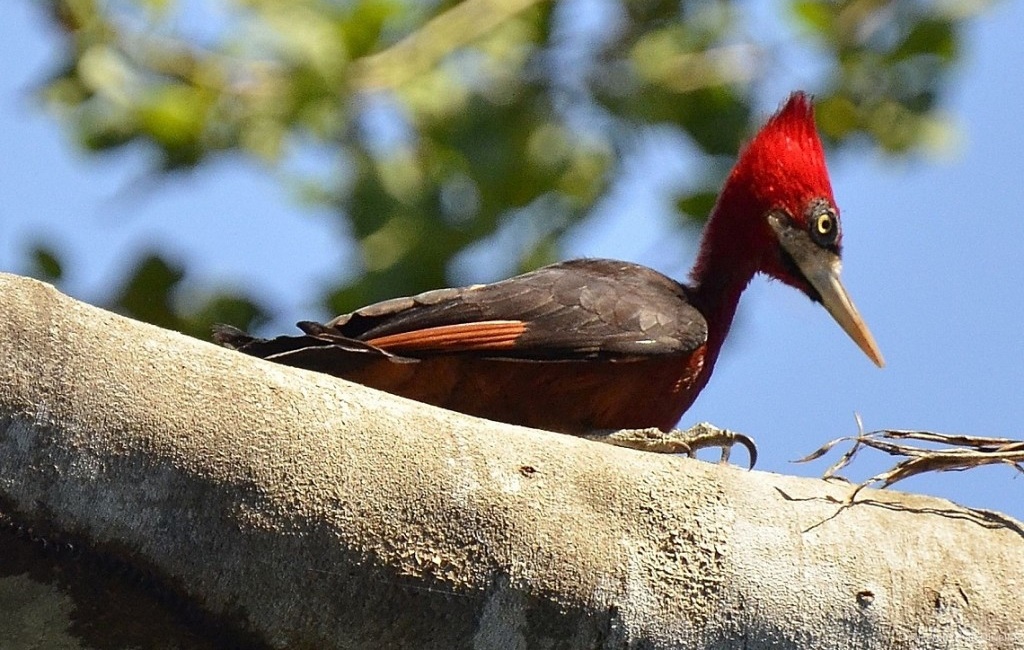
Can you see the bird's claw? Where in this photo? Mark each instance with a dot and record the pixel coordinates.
(676, 441)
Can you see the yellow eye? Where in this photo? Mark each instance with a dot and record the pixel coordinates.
(825, 224)
(824, 228)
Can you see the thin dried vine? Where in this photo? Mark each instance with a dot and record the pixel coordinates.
(921, 452)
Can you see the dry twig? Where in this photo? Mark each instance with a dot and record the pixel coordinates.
(953, 453)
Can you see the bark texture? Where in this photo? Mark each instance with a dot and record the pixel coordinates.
(309, 512)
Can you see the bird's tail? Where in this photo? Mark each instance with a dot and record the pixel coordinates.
(231, 337)
(320, 349)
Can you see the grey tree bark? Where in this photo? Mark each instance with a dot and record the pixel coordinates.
(308, 512)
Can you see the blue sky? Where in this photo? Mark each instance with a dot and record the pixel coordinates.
(932, 259)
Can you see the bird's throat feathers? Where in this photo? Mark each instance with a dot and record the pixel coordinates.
(782, 168)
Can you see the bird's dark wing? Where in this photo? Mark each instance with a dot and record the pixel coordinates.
(573, 310)
(573, 347)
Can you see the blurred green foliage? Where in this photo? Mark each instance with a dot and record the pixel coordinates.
(455, 121)
(149, 293)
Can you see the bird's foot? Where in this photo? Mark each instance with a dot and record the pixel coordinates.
(676, 441)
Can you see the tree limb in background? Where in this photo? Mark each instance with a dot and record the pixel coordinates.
(437, 38)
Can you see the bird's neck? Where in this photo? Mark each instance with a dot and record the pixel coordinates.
(727, 261)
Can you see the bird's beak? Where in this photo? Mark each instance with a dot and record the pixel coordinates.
(821, 269)
(837, 302)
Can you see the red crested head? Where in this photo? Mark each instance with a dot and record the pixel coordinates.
(776, 215)
(782, 170)
(783, 167)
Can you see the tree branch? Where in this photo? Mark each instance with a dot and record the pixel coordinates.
(317, 513)
(440, 36)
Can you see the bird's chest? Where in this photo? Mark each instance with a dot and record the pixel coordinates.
(658, 394)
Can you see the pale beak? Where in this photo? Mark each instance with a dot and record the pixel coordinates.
(820, 267)
(837, 302)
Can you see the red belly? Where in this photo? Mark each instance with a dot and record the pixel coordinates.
(568, 396)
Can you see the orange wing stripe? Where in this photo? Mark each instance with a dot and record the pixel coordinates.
(486, 335)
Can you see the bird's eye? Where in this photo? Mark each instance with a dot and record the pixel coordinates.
(824, 225)
(825, 228)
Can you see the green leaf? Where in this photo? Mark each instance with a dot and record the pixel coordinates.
(815, 15)
(932, 37)
(240, 311)
(147, 293)
(837, 117)
(697, 206)
(45, 263)
(175, 117)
